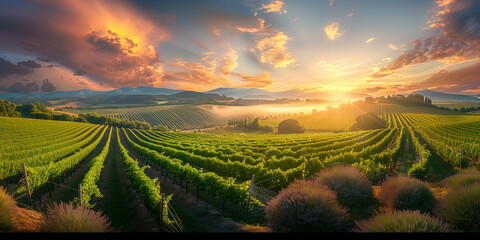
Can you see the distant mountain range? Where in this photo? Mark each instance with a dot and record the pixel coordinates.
(245, 93)
(141, 90)
(255, 93)
(447, 97)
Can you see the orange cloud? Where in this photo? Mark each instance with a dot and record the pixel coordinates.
(332, 31)
(456, 39)
(229, 62)
(273, 50)
(110, 41)
(460, 80)
(274, 6)
(393, 47)
(261, 81)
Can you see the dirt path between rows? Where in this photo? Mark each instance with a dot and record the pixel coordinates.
(120, 202)
(210, 219)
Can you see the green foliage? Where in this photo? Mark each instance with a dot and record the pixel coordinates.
(369, 121)
(7, 109)
(95, 118)
(90, 189)
(290, 126)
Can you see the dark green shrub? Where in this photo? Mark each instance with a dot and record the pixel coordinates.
(402, 221)
(461, 208)
(403, 193)
(306, 206)
(352, 187)
(290, 126)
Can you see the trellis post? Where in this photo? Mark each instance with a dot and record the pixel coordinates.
(28, 185)
(249, 195)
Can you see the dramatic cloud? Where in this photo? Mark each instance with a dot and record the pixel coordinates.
(8, 68)
(109, 41)
(456, 39)
(229, 62)
(465, 79)
(332, 31)
(273, 50)
(18, 87)
(210, 72)
(274, 6)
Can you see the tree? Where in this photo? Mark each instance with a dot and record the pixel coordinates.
(290, 126)
(7, 109)
(369, 121)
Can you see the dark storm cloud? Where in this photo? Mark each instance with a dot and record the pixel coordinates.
(8, 68)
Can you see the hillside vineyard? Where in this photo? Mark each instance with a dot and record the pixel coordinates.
(222, 166)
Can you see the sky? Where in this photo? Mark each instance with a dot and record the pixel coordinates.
(376, 47)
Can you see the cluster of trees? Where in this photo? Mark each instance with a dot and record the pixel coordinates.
(95, 118)
(412, 99)
(368, 121)
(40, 111)
(8, 109)
(254, 125)
(290, 126)
(461, 109)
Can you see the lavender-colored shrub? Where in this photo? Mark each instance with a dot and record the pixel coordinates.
(306, 206)
(353, 188)
(403, 193)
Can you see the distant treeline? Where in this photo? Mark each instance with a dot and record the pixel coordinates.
(8, 109)
(254, 125)
(462, 109)
(40, 111)
(412, 99)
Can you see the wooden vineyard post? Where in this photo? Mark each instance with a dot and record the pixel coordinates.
(460, 156)
(28, 185)
(80, 194)
(162, 203)
(249, 195)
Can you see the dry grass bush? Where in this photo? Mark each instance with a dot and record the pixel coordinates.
(461, 208)
(28, 221)
(8, 211)
(462, 179)
(402, 221)
(65, 217)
